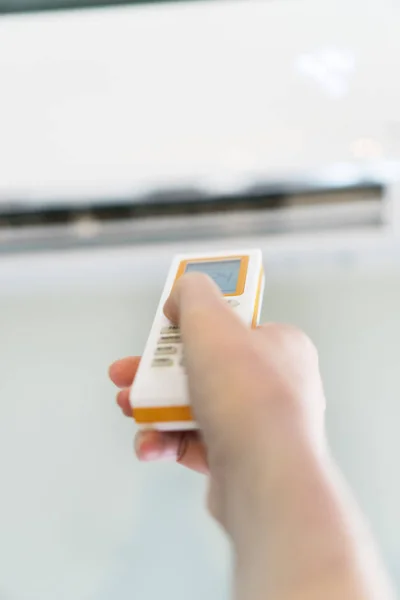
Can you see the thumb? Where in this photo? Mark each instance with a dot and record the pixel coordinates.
(214, 338)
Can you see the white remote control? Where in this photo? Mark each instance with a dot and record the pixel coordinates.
(159, 396)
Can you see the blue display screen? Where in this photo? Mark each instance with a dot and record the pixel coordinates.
(225, 273)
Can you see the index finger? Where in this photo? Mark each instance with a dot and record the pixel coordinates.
(123, 371)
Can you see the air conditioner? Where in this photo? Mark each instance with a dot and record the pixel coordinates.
(256, 118)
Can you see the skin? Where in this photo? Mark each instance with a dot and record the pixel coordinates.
(258, 398)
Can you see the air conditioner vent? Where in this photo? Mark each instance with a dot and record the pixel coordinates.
(187, 213)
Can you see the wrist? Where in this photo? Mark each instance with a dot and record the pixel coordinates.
(295, 527)
(266, 469)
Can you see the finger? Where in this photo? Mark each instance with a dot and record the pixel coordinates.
(183, 447)
(124, 403)
(122, 372)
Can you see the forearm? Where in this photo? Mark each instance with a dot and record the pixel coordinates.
(304, 538)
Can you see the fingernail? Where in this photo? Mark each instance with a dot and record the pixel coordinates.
(155, 448)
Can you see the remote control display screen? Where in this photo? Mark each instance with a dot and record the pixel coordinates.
(225, 273)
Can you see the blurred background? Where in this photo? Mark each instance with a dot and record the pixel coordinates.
(130, 132)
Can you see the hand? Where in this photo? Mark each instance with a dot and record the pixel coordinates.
(256, 394)
(258, 399)
(188, 448)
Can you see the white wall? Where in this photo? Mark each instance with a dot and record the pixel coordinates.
(79, 517)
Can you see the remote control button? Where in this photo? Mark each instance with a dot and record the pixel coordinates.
(162, 350)
(170, 329)
(170, 339)
(233, 303)
(162, 362)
